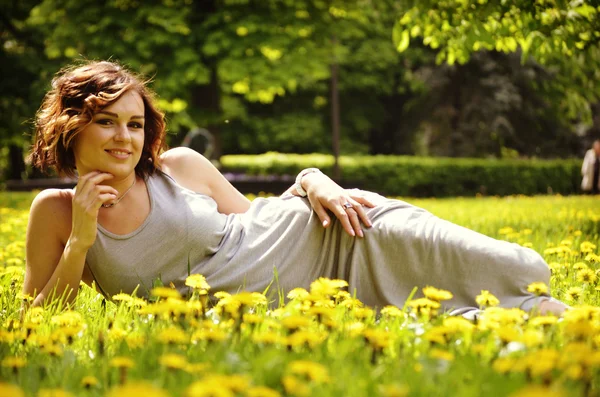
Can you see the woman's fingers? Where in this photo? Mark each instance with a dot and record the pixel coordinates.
(321, 213)
(354, 220)
(101, 199)
(362, 214)
(364, 201)
(90, 181)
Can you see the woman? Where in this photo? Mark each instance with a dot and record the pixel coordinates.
(139, 213)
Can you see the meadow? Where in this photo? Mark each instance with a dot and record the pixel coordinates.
(323, 342)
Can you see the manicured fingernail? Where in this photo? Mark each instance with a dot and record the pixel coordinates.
(325, 223)
(352, 233)
(360, 233)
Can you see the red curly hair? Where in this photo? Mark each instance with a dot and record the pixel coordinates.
(77, 93)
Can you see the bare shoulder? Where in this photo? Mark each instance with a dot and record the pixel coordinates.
(181, 157)
(189, 168)
(52, 206)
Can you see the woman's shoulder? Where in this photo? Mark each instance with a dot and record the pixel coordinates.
(188, 168)
(52, 203)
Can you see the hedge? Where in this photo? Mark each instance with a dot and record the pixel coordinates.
(424, 176)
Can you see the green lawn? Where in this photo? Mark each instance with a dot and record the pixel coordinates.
(324, 342)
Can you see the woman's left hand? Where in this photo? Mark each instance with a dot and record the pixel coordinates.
(324, 194)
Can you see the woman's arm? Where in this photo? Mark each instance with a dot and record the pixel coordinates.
(62, 227)
(193, 171)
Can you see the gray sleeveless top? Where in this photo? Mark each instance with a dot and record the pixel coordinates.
(185, 234)
(279, 244)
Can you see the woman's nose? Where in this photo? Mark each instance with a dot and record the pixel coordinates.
(122, 133)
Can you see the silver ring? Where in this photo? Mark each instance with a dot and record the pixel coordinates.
(347, 205)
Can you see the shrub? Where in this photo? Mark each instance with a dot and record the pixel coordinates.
(424, 176)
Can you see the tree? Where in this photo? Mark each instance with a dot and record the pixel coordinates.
(561, 34)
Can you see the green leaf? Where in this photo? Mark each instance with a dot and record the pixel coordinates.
(404, 41)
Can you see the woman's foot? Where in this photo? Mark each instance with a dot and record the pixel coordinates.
(552, 306)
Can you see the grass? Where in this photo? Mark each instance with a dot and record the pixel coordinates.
(323, 342)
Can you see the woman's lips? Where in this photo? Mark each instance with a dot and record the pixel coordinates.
(118, 153)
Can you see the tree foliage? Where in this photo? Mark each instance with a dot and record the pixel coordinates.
(257, 73)
(564, 35)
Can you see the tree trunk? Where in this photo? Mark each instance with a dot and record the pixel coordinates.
(335, 115)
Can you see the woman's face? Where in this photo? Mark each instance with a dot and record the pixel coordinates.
(114, 140)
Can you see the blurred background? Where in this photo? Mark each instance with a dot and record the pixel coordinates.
(352, 77)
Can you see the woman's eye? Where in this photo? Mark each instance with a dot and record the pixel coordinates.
(136, 125)
(104, 121)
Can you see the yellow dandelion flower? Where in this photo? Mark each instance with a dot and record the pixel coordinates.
(295, 321)
(574, 371)
(89, 381)
(378, 338)
(326, 287)
(587, 247)
(424, 303)
(437, 294)
(137, 389)
(121, 362)
(210, 334)
(458, 324)
(580, 266)
(538, 391)
(298, 294)
(196, 368)
(538, 288)
(165, 292)
(251, 318)
(355, 329)
(486, 299)
(316, 372)
(67, 319)
(532, 338)
(10, 390)
(54, 393)
(14, 362)
(543, 361)
(508, 334)
(503, 365)
(587, 276)
(173, 361)
(439, 335)
(294, 386)
(52, 349)
(262, 391)
(392, 311)
(593, 258)
(172, 335)
(197, 281)
(543, 321)
(579, 329)
(394, 390)
(363, 313)
(573, 294)
(441, 354)
(122, 297)
(506, 230)
(306, 338)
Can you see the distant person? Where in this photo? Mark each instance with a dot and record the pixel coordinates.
(590, 170)
(140, 212)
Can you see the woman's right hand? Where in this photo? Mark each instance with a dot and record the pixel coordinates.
(89, 196)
